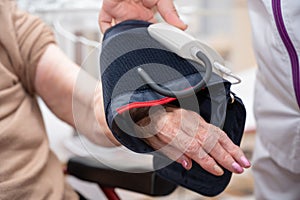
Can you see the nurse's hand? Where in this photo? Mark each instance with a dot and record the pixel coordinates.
(184, 136)
(115, 11)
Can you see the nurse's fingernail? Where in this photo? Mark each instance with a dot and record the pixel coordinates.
(219, 170)
(245, 161)
(237, 167)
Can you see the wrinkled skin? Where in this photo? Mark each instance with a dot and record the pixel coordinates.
(184, 135)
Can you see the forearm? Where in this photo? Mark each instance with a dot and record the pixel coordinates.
(57, 83)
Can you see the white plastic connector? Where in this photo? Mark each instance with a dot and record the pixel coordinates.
(187, 46)
(227, 72)
(222, 68)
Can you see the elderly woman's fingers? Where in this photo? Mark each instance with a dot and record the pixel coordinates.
(170, 151)
(185, 159)
(209, 137)
(187, 133)
(233, 150)
(191, 147)
(225, 159)
(212, 146)
(207, 162)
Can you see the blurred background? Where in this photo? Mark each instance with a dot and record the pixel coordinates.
(223, 25)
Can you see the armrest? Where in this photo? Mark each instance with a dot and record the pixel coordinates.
(89, 169)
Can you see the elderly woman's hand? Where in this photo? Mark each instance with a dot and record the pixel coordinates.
(115, 11)
(184, 135)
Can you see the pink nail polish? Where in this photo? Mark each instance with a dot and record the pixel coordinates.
(245, 161)
(237, 167)
(184, 164)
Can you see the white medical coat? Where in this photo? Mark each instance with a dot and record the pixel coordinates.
(276, 39)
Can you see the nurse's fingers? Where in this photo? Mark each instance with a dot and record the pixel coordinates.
(149, 3)
(167, 10)
(191, 147)
(105, 20)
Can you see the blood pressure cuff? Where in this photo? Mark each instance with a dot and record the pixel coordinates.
(128, 46)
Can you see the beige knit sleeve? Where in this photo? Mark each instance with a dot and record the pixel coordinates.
(33, 36)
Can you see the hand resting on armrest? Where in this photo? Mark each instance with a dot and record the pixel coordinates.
(184, 135)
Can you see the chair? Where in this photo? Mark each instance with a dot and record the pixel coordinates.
(91, 170)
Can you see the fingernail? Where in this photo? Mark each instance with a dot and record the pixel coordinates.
(218, 169)
(245, 161)
(184, 164)
(237, 167)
